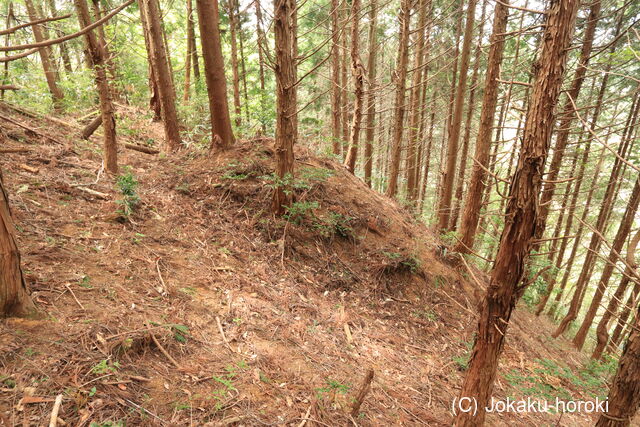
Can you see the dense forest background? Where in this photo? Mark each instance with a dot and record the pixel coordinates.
(510, 130)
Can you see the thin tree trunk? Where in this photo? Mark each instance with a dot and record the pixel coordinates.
(286, 109)
(617, 334)
(399, 105)
(14, 297)
(344, 86)
(616, 248)
(601, 223)
(624, 395)
(64, 52)
(467, 127)
(336, 93)
(98, 59)
(357, 71)
(371, 97)
(10, 17)
(45, 55)
(473, 200)
(208, 18)
(234, 63)
(163, 74)
(521, 212)
(414, 102)
(190, 50)
(444, 206)
(154, 98)
(243, 67)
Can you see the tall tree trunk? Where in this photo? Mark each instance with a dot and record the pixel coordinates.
(427, 156)
(14, 297)
(467, 127)
(566, 118)
(154, 98)
(163, 75)
(64, 52)
(414, 101)
(473, 200)
(521, 211)
(371, 96)
(624, 394)
(98, 59)
(7, 37)
(357, 71)
(190, 50)
(399, 107)
(444, 206)
(601, 223)
(616, 248)
(260, 47)
(336, 92)
(286, 109)
(344, 85)
(243, 67)
(208, 18)
(108, 57)
(234, 62)
(630, 304)
(45, 55)
(630, 273)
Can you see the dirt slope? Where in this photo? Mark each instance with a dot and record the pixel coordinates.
(200, 307)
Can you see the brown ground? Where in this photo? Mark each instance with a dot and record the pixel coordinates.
(203, 308)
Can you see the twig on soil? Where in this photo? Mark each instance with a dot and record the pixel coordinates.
(164, 286)
(140, 148)
(30, 129)
(306, 417)
(364, 389)
(136, 406)
(66, 285)
(162, 349)
(224, 337)
(54, 412)
(98, 194)
(28, 168)
(13, 150)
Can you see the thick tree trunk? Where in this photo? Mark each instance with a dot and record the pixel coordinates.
(473, 200)
(14, 297)
(521, 211)
(444, 206)
(371, 96)
(160, 63)
(234, 62)
(621, 236)
(45, 55)
(208, 18)
(286, 109)
(399, 105)
(98, 59)
(624, 395)
(566, 118)
(154, 98)
(357, 71)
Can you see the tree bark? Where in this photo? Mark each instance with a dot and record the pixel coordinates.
(399, 105)
(286, 109)
(444, 207)
(190, 50)
(473, 200)
(208, 18)
(98, 59)
(616, 248)
(154, 98)
(617, 334)
(624, 395)
(14, 297)
(521, 211)
(336, 94)
(64, 52)
(357, 71)
(162, 72)
(234, 63)
(45, 55)
(371, 96)
(414, 102)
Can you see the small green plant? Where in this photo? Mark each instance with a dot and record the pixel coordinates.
(403, 262)
(297, 212)
(127, 184)
(332, 388)
(85, 282)
(449, 238)
(105, 366)
(180, 332)
(462, 360)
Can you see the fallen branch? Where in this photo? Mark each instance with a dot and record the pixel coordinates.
(13, 150)
(54, 412)
(28, 168)
(30, 129)
(364, 389)
(10, 87)
(74, 296)
(161, 348)
(141, 149)
(98, 194)
(91, 127)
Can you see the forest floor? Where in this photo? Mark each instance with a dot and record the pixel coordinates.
(201, 308)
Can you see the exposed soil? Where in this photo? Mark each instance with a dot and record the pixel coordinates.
(201, 308)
